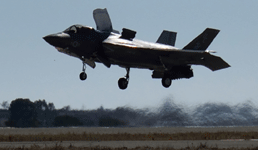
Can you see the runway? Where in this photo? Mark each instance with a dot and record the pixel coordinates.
(226, 143)
(131, 130)
(133, 144)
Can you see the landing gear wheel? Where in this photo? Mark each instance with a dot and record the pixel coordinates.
(166, 82)
(83, 76)
(122, 83)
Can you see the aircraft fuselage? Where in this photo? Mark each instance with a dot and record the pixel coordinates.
(105, 45)
(135, 53)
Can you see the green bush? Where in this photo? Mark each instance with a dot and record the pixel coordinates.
(67, 121)
(106, 121)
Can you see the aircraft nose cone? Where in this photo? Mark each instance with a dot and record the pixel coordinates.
(57, 40)
(51, 39)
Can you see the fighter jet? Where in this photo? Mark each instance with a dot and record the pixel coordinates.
(105, 45)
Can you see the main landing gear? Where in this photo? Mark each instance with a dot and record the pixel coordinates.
(83, 75)
(166, 81)
(123, 82)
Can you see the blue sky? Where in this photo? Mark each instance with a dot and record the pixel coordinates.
(31, 68)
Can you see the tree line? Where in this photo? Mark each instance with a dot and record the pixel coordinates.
(25, 113)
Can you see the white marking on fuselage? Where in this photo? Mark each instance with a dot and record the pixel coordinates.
(115, 39)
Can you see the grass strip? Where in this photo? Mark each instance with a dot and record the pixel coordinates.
(71, 147)
(129, 137)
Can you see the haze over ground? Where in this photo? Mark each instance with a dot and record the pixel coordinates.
(31, 68)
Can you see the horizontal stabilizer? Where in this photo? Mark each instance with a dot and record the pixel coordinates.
(206, 59)
(186, 57)
(202, 41)
(167, 37)
(214, 62)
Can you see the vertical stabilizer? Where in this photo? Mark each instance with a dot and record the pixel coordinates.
(202, 41)
(167, 37)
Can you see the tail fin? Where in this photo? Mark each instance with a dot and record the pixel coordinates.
(167, 37)
(202, 41)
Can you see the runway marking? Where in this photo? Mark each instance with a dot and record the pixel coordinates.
(239, 140)
(233, 140)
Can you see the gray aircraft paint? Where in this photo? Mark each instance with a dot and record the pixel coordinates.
(106, 46)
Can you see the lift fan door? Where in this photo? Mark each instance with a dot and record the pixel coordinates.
(102, 20)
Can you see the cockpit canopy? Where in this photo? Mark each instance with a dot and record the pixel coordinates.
(78, 29)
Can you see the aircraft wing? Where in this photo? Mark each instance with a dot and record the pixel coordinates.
(183, 57)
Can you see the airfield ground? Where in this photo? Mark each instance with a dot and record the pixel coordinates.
(154, 137)
(132, 130)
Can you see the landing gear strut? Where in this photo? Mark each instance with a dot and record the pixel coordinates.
(123, 82)
(83, 75)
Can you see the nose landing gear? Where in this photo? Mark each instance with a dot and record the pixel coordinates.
(83, 75)
(123, 82)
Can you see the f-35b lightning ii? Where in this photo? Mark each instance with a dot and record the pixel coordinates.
(107, 46)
